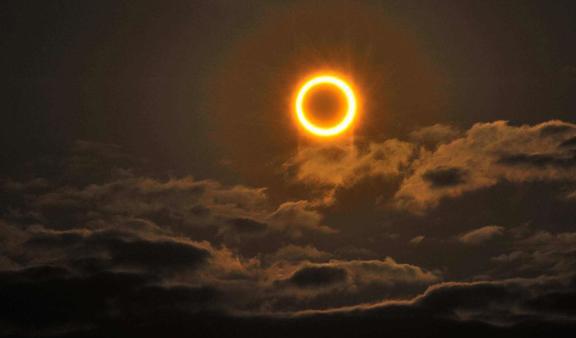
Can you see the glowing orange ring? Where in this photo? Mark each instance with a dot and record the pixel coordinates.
(350, 112)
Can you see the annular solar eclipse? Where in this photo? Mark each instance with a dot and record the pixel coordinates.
(344, 88)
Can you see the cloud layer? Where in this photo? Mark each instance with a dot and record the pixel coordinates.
(441, 162)
(102, 243)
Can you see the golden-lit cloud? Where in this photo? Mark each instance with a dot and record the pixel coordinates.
(481, 235)
(490, 153)
(340, 165)
(441, 162)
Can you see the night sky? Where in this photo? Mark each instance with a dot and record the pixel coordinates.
(155, 183)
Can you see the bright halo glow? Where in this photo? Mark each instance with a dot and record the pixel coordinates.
(350, 100)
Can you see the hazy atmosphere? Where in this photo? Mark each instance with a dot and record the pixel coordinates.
(158, 180)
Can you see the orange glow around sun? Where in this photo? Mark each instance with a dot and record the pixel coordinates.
(344, 88)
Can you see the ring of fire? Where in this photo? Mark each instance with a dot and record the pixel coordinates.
(350, 111)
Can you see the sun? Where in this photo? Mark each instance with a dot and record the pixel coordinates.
(344, 88)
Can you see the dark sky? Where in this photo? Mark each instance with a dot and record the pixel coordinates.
(153, 180)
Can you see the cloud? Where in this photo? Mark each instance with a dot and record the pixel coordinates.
(386, 271)
(539, 160)
(554, 128)
(417, 240)
(246, 226)
(489, 153)
(318, 276)
(444, 177)
(503, 303)
(497, 302)
(48, 301)
(296, 217)
(338, 283)
(434, 135)
(342, 165)
(150, 248)
(293, 278)
(200, 209)
(296, 253)
(442, 162)
(569, 143)
(535, 252)
(481, 235)
(120, 249)
(105, 275)
(113, 249)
